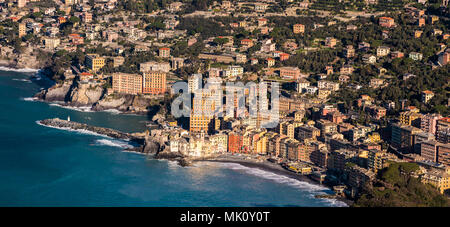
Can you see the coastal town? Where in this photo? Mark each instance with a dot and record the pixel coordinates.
(364, 97)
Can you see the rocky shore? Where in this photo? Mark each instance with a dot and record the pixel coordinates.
(94, 97)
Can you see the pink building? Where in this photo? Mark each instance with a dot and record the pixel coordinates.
(428, 122)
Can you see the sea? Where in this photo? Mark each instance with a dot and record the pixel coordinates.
(44, 166)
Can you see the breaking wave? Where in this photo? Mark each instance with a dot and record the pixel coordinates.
(80, 109)
(112, 111)
(30, 99)
(24, 70)
(23, 80)
(312, 189)
(113, 143)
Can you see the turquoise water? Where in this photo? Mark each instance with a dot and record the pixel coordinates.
(42, 166)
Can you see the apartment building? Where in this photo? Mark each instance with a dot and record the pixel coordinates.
(164, 52)
(386, 22)
(127, 83)
(289, 72)
(51, 43)
(154, 82)
(94, 62)
(428, 122)
(154, 66)
(383, 51)
(443, 130)
(22, 30)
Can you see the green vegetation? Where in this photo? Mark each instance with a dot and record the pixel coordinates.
(396, 188)
(205, 27)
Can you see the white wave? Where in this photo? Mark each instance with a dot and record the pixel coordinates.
(113, 143)
(134, 152)
(173, 164)
(80, 109)
(23, 80)
(112, 111)
(312, 189)
(30, 99)
(81, 131)
(23, 70)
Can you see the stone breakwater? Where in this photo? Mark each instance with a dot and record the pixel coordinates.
(59, 123)
(145, 144)
(153, 145)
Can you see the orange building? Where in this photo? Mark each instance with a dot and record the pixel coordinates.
(397, 54)
(298, 28)
(284, 56)
(235, 142)
(76, 39)
(421, 22)
(127, 83)
(290, 72)
(154, 83)
(164, 52)
(386, 22)
(247, 42)
(62, 20)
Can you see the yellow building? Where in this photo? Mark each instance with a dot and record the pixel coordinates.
(418, 33)
(427, 95)
(439, 179)
(408, 117)
(374, 137)
(260, 146)
(94, 62)
(300, 168)
(202, 114)
(299, 115)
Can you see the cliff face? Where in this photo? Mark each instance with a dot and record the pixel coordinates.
(124, 103)
(118, 102)
(93, 96)
(85, 95)
(57, 92)
(27, 59)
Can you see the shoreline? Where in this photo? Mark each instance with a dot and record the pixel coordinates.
(10, 68)
(63, 104)
(264, 165)
(273, 168)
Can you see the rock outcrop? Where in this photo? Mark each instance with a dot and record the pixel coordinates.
(57, 92)
(115, 101)
(124, 103)
(93, 96)
(26, 59)
(85, 95)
